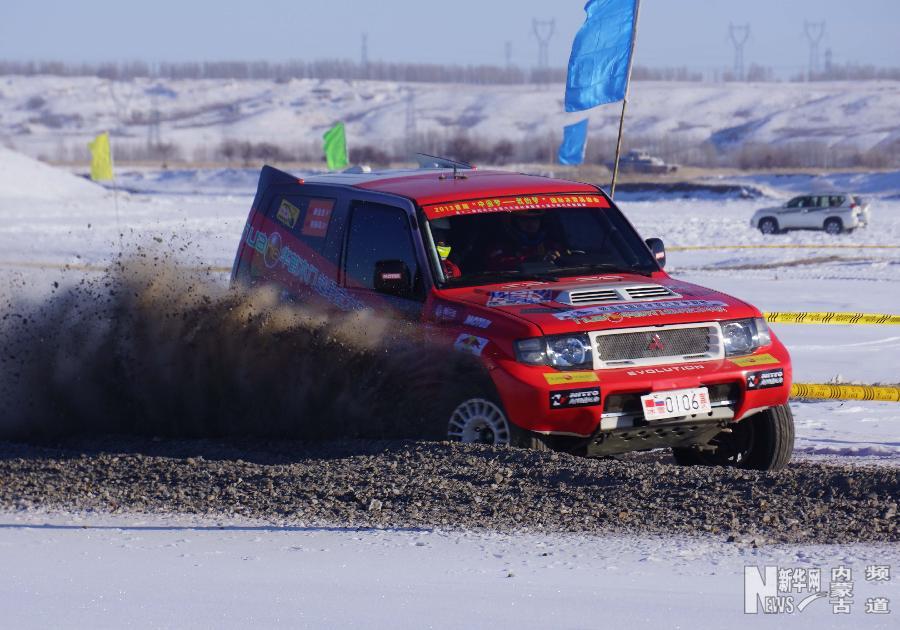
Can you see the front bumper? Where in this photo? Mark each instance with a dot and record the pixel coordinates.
(526, 392)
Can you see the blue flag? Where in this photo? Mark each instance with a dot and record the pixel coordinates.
(571, 151)
(601, 54)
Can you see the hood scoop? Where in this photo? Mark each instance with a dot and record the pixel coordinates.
(605, 294)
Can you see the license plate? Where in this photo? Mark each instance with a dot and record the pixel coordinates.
(676, 403)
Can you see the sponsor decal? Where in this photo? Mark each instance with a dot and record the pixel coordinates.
(666, 370)
(561, 378)
(275, 254)
(477, 322)
(765, 379)
(618, 312)
(471, 344)
(318, 216)
(445, 313)
(574, 398)
(288, 213)
(513, 204)
(512, 298)
(757, 359)
(272, 253)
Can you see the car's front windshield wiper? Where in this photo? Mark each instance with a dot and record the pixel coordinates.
(505, 274)
(594, 267)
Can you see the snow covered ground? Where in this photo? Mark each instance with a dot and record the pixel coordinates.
(55, 116)
(51, 218)
(96, 571)
(70, 570)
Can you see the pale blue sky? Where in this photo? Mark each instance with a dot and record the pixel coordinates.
(672, 32)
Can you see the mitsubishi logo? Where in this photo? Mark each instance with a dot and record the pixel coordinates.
(656, 343)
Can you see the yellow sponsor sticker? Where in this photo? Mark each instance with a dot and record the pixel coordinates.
(561, 378)
(757, 359)
(288, 213)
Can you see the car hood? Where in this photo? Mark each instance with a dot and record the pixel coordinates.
(603, 302)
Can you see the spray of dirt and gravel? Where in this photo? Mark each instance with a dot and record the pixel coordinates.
(153, 389)
(153, 349)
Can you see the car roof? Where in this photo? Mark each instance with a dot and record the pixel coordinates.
(431, 186)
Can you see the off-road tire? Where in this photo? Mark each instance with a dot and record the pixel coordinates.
(764, 441)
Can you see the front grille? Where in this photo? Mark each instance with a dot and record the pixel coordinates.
(656, 345)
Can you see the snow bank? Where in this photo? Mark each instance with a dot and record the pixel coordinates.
(24, 177)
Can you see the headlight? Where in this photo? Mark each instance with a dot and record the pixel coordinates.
(560, 351)
(745, 336)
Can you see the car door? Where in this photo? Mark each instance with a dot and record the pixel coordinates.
(810, 212)
(381, 265)
(789, 215)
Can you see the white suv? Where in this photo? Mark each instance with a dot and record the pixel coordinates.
(835, 213)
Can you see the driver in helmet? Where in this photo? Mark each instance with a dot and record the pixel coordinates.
(525, 240)
(440, 232)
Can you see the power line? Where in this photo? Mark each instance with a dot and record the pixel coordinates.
(815, 31)
(738, 34)
(364, 51)
(543, 31)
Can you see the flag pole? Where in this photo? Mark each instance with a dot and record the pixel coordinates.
(637, 11)
(115, 197)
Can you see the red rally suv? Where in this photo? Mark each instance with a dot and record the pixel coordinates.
(589, 345)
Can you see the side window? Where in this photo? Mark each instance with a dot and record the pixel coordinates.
(291, 246)
(380, 255)
(307, 219)
(796, 202)
(835, 201)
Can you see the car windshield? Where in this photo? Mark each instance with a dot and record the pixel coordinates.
(537, 245)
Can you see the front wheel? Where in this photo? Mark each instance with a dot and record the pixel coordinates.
(768, 226)
(764, 441)
(479, 420)
(482, 421)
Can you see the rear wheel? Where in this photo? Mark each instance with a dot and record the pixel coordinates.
(768, 226)
(834, 226)
(764, 441)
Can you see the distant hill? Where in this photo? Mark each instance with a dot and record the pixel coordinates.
(214, 120)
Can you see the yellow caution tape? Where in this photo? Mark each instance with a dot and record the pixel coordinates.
(832, 318)
(845, 392)
(685, 248)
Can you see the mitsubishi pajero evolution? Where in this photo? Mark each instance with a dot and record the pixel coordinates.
(588, 346)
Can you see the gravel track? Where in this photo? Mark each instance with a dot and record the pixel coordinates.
(422, 484)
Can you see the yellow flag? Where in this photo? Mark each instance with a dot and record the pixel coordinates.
(101, 158)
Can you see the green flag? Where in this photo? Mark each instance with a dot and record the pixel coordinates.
(336, 148)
